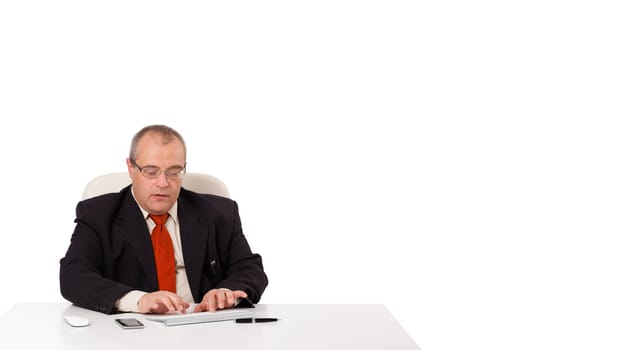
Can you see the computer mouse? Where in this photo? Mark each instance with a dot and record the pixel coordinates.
(77, 321)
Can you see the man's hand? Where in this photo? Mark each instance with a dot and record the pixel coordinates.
(218, 299)
(161, 302)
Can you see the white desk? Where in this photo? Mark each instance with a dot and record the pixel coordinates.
(315, 326)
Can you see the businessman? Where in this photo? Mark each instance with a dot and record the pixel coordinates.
(155, 247)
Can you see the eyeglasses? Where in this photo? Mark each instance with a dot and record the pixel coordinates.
(153, 172)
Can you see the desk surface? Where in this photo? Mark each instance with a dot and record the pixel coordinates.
(300, 326)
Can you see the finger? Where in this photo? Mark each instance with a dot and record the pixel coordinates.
(212, 302)
(204, 305)
(169, 301)
(199, 307)
(178, 303)
(158, 308)
(221, 298)
(240, 294)
(185, 306)
(150, 309)
(231, 299)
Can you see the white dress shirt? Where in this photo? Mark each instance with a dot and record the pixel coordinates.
(128, 303)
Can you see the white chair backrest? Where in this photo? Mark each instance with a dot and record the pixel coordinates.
(201, 183)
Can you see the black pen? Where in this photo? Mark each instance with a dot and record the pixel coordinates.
(256, 320)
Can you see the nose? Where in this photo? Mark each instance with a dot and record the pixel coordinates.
(162, 181)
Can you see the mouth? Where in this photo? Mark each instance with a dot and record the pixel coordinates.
(159, 196)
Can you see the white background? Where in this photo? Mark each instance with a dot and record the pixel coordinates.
(468, 164)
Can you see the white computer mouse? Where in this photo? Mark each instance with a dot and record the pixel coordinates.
(77, 321)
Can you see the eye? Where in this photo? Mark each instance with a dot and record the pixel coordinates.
(151, 170)
(175, 171)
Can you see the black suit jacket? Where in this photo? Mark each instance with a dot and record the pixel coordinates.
(111, 252)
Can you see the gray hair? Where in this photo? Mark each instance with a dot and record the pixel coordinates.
(166, 133)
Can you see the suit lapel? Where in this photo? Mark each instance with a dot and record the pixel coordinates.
(194, 236)
(131, 225)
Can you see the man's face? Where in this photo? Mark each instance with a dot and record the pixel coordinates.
(158, 195)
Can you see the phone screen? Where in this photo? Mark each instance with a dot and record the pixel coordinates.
(129, 323)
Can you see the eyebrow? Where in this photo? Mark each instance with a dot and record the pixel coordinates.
(156, 166)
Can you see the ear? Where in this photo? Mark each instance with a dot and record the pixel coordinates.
(130, 167)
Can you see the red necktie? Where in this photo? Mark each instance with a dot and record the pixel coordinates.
(163, 254)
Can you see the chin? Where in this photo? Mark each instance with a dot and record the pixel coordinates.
(159, 209)
(162, 210)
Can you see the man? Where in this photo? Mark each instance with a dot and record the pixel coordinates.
(155, 247)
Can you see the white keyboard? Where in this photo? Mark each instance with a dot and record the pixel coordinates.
(201, 317)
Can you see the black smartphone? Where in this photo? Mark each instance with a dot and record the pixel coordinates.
(129, 323)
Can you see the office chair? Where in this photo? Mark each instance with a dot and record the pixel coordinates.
(114, 182)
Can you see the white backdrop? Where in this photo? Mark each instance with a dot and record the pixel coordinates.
(468, 164)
